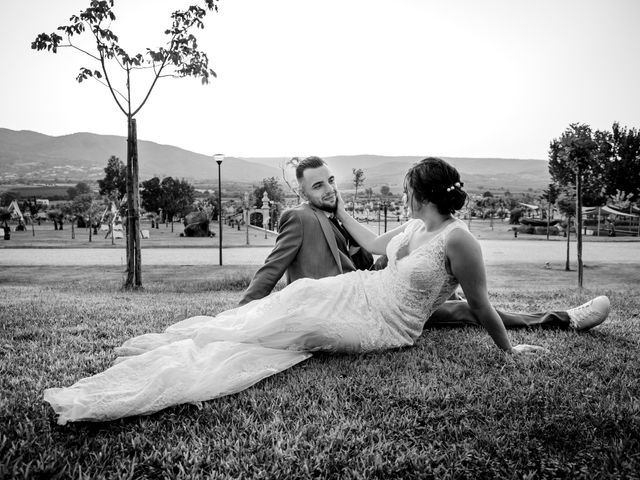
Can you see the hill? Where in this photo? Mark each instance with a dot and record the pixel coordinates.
(34, 156)
(79, 156)
(478, 174)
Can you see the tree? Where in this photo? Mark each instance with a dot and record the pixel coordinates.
(151, 195)
(550, 195)
(57, 216)
(515, 215)
(618, 157)
(292, 163)
(179, 58)
(571, 160)
(114, 187)
(567, 205)
(84, 208)
(621, 200)
(369, 193)
(177, 197)
(274, 192)
(5, 216)
(272, 187)
(385, 190)
(114, 184)
(81, 188)
(72, 211)
(358, 180)
(7, 197)
(31, 211)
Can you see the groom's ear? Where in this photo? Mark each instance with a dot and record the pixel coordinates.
(300, 191)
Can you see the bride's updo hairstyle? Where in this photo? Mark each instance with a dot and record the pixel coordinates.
(434, 180)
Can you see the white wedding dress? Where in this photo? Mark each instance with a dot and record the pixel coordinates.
(204, 357)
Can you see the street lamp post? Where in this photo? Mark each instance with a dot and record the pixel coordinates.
(219, 157)
(386, 206)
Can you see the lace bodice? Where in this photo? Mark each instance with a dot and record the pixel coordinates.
(414, 284)
(423, 280)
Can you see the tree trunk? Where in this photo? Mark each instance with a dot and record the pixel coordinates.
(134, 277)
(73, 232)
(566, 266)
(549, 215)
(579, 221)
(355, 197)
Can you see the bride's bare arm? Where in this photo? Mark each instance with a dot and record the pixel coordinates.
(465, 258)
(376, 244)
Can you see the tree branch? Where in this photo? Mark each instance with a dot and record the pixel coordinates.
(108, 86)
(150, 88)
(79, 49)
(111, 89)
(153, 84)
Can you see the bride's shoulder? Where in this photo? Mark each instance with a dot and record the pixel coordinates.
(458, 236)
(458, 224)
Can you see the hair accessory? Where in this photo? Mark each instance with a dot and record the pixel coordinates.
(455, 185)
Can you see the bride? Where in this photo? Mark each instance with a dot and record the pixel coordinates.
(205, 357)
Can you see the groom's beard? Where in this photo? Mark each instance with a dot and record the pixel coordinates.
(327, 207)
(330, 206)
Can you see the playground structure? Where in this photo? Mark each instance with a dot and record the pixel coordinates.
(609, 221)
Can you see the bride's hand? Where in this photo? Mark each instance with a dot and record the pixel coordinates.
(340, 206)
(524, 349)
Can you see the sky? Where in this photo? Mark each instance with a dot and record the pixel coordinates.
(454, 78)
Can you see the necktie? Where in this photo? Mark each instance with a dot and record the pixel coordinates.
(340, 228)
(342, 237)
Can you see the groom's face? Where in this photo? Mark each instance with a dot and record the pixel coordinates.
(318, 187)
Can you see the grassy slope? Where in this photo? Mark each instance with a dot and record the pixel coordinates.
(453, 406)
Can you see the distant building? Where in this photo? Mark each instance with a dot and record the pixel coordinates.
(42, 202)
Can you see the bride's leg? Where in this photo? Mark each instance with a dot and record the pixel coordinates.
(291, 318)
(223, 325)
(177, 373)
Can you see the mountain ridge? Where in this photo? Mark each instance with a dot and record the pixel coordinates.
(29, 154)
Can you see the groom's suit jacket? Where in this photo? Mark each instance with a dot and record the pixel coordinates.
(306, 247)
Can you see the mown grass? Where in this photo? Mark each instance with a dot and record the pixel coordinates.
(451, 407)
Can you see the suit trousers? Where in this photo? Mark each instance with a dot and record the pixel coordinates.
(456, 313)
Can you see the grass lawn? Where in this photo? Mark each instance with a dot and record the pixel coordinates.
(453, 406)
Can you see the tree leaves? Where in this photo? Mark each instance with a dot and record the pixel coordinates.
(86, 73)
(47, 42)
(114, 183)
(179, 58)
(609, 161)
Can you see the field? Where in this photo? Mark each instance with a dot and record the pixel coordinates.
(44, 235)
(38, 191)
(451, 407)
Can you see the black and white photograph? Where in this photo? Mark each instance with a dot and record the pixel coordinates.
(320, 239)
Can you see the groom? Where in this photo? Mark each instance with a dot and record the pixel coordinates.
(311, 243)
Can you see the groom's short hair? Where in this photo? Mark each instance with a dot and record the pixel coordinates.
(309, 162)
